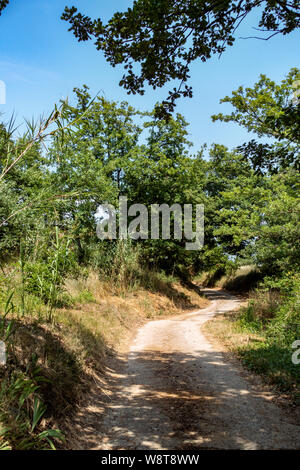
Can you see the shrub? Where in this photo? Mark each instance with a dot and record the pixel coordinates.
(274, 308)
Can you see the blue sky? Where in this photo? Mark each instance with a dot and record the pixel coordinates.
(41, 62)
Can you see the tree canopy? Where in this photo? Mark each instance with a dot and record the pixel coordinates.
(268, 110)
(164, 37)
(113, 150)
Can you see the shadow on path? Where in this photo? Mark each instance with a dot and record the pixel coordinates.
(176, 391)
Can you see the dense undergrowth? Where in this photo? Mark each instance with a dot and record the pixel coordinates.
(236, 279)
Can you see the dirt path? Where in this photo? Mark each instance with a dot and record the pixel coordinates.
(177, 391)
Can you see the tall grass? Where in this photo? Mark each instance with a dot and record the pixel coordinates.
(274, 313)
(21, 408)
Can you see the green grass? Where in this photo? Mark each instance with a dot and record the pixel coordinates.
(249, 341)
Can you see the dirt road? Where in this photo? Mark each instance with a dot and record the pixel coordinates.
(177, 391)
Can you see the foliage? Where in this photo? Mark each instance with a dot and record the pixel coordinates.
(45, 278)
(21, 412)
(166, 37)
(273, 227)
(21, 409)
(273, 313)
(268, 110)
(3, 4)
(105, 153)
(274, 309)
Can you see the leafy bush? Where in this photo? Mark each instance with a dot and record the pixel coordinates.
(274, 308)
(243, 282)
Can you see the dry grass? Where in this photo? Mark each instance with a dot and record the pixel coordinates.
(72, 350)
(265, 303)
(112, 312)
(224, 330)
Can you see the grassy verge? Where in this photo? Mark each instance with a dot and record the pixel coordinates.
(251, 343)
(52, 365)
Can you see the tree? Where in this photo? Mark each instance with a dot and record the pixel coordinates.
(268, 110)
(3, 4)
(165, 36)
(276, 227)
(160, 171)
(90, 161)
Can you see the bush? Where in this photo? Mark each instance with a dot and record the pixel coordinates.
(45, 278)
(244, 280)
(119, 263)
(274, 308)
